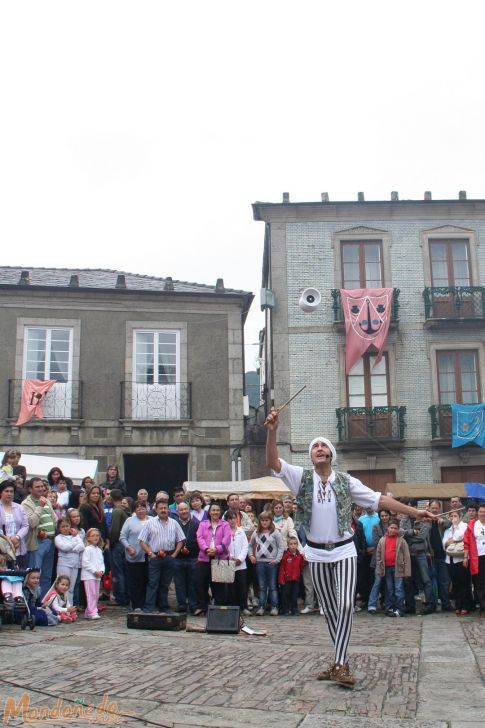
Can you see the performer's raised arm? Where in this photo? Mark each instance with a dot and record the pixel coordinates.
(272, 457)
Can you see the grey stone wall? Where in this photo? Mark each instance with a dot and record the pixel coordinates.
(307, 350)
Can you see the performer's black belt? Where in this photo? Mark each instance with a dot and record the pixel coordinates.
(329, 546)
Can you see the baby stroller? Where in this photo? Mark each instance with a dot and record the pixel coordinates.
(12, 609)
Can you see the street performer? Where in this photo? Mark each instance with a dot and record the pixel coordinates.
(324, 498)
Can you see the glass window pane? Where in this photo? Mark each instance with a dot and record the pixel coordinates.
(446, 377)
(373, 275)
(356, 385)
(358, 367)
(378, 385)
(350, 252)
(372, 252)
(356, 401)
(379, 400)
(378, 368)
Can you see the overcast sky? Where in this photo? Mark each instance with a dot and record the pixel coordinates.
(136, 135)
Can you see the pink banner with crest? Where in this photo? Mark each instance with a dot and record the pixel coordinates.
(33, 394)
(367, 315)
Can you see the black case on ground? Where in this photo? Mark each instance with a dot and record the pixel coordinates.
(223, 619)
(155, 620)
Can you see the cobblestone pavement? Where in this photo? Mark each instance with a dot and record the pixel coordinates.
(426, 672)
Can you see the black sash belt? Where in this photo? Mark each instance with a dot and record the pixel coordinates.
(328, 546)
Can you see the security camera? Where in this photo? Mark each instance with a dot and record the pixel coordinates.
(310, 299)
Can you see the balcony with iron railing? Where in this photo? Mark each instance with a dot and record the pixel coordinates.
(371, 425)
(338, 314)
(440, 422)
(463, 305)
(64, 402)
(155, 402)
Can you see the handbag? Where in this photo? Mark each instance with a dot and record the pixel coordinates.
(223, 571)
(456, 549)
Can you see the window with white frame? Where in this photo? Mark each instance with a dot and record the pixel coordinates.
(48, 355)
(157, 391)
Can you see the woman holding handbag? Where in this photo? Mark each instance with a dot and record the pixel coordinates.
(213, 538)
(459, 574)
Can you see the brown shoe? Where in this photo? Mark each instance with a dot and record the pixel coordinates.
(326, 674)
(341, 674)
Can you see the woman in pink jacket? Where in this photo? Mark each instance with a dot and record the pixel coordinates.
(213, 537)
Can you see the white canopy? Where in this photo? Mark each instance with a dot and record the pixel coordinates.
(266, 488)
(39, 465)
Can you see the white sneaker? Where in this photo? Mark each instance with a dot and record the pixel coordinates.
(274, 612)
(95, 616)
(322, 612)
(307, 610)
(371, 610)
(260, 612)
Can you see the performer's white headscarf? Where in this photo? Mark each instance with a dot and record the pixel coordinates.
(325, 442)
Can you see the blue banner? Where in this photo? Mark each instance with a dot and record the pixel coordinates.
(475, 490)
(468, 424)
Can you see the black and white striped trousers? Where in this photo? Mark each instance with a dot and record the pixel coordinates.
(334, 585)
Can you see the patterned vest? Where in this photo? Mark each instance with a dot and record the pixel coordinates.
(343, 499)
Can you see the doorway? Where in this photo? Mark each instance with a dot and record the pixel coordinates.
(154, 473)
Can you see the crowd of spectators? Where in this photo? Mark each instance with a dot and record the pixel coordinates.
(80, 546)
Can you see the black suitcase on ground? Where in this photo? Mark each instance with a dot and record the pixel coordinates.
(223, 619)
(156, 620)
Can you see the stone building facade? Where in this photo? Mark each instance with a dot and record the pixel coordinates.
(149, 371)
(391, 423)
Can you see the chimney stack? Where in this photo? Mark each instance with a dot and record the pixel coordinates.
(168, 284)
(394, 196)
(220, 285)
(286, 196)
(120, 281)
(462, 195)
(360, 197)
(74, 282)
(324, 196)
(24, 278)
(427, 196)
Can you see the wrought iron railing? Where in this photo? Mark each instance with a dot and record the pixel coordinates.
(454, 302)
(440, 421)
(370, 423)
(338, 314)
(64, 401)
(156, 401)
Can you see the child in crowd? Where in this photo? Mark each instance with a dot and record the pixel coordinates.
(393, 562)
(31, 591)
(266, 550)
(70, 545)
(289, 574)
(57, 601)
(62, 495)
(52, 496)
(92, 569)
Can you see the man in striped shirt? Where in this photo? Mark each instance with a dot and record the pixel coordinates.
(161, 539)
(40, 538)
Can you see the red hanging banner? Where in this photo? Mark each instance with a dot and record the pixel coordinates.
(367, 314)
(33, 394)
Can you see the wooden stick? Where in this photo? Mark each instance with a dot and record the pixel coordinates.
(453, 510)
(280, 409)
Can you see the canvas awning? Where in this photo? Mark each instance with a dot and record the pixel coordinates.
(39, 465)
(431, 490)
(265, 488)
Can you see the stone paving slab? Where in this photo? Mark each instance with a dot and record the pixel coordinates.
(323, 721)
(186, 680)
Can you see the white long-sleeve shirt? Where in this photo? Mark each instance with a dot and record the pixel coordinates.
(92, 560)
(238, 548)
(70, 549)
